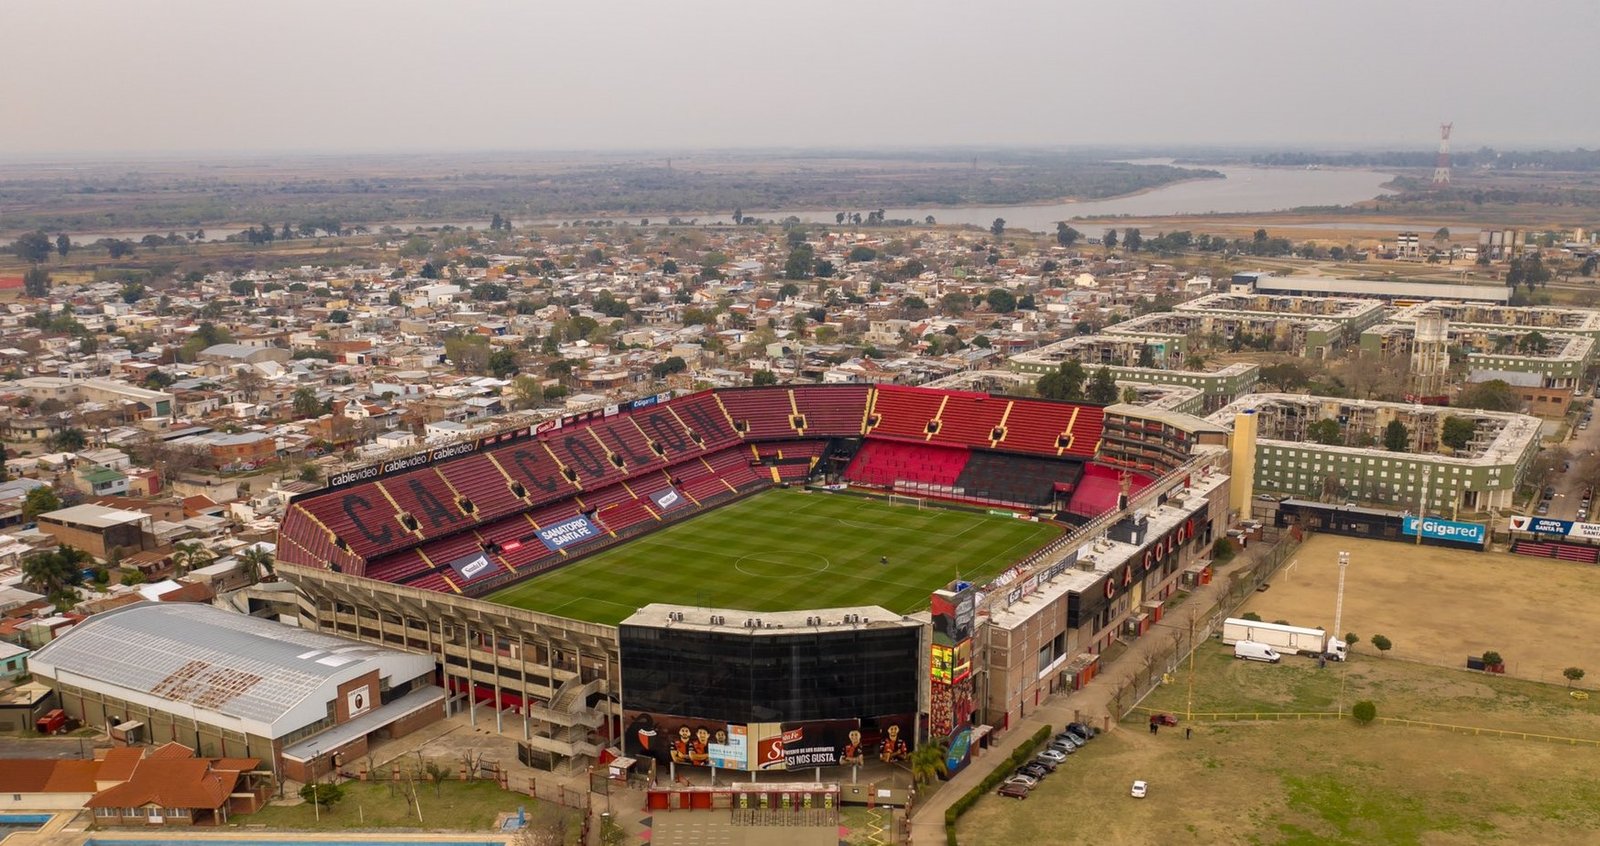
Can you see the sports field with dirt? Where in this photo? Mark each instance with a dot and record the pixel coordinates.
(1440, 606)
(1315, 782)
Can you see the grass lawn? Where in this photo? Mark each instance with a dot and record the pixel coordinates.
(461, 806)
(1286, 783)
(786, 550)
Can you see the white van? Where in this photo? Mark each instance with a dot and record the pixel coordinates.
(1252, 651)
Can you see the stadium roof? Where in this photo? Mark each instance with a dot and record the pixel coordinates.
(246, 673)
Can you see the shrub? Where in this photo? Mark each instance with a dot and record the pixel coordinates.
(1364, 711)
(1251, 616)
(1573, 674)
(1021, 755)
(1382, 643)
(1492, 659)
(1351, 639)
(325, 795)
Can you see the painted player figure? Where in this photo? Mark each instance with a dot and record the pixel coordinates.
(680, 746)
(699, 751)
(894, 749)
(854, 751)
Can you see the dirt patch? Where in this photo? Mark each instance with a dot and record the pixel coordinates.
(1440, 606)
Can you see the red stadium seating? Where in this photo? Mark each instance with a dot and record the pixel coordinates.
(480, 480)
(903, 412)
(836, 411)
(761, 412)
(969, 419)
(887, 462)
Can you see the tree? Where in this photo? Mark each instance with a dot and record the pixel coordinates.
(927, 762)
(1493, 395)
(248, 380)
(1001, 301)
(54, 572)
(1351, 639)
(1395, 436)
(187, 556)
(764, 377)
(1364, 712)
(800, 264)
(40, 500)
(1103, 388)
(63, 245)
(305, 403)
(1066, 236)
(1382, 643)
(998, 227)
(33, 247)
(118, 248)
(954, 304)
(1325, 432)
(526, 393)
(1132, 240)
(1110, 239)
(673, 364)
(1064, 383)
(1285, 376)
(1457, 432)
(326, 795)
(36, 282)
(504, 363)
(862, 252)
(1573, 675)
(257, 561)
(70, 439)
(1492, 659)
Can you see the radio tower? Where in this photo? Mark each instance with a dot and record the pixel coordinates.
(1441, 166)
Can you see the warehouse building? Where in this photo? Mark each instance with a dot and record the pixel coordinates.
(230, 685)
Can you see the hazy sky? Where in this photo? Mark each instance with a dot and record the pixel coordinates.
(108, 76)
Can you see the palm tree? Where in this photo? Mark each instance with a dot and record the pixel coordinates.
(188, 556)
(927, 762)
(256, 559)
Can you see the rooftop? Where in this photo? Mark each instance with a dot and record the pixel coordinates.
(94, 516)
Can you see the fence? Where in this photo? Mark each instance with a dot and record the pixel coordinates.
(1296, 716)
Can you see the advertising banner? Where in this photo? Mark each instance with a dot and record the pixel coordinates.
(816, 744)
(1432, 527)
(1541, 525)
(683, 740)
(733, 754)
(667, 499)
(476, 564)
(570, 531)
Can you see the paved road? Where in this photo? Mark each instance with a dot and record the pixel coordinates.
(1569, 485)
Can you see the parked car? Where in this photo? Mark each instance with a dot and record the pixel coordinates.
(1062, 747)
(1163, 719)
(1052, 756)
(1027, 781)
(1069, 739)
(1139, 790)
(1014, 791)
(1032, 770)
(1048, 764)
(1083, 730)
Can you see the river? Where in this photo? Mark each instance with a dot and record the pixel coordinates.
(1242, 189)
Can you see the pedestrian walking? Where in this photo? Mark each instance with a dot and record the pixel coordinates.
(1188, 733)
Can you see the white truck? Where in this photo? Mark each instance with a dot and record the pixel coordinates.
(1291, 639)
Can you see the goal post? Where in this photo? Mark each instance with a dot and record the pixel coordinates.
(911, 501)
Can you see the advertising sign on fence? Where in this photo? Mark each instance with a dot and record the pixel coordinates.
(567, 532)
(476, 564)
(1432, 527)
(667, 499)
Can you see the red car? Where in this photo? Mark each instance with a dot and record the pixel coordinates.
(1163, 720)
(1015, 791)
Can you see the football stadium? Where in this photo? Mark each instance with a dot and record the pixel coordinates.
(767, 578)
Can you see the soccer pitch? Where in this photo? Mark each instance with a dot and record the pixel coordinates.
(786, 550)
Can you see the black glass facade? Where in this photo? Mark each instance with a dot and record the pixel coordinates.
(745, 678)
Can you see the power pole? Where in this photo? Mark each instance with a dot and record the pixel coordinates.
(1441, 165)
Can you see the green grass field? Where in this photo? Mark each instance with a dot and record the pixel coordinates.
(786, 550)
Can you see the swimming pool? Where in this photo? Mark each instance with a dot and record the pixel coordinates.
(191, 836)
(21, 822)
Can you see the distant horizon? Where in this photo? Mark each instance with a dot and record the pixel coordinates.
(1096, 151)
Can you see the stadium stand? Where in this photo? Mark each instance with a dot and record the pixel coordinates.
(886, 462)
(836, 410)
(1557, 550)
(761, 412)
(1017, 478)
(1098, 489)
(711, 447)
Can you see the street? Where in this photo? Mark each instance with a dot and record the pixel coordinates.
(1570, 484)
